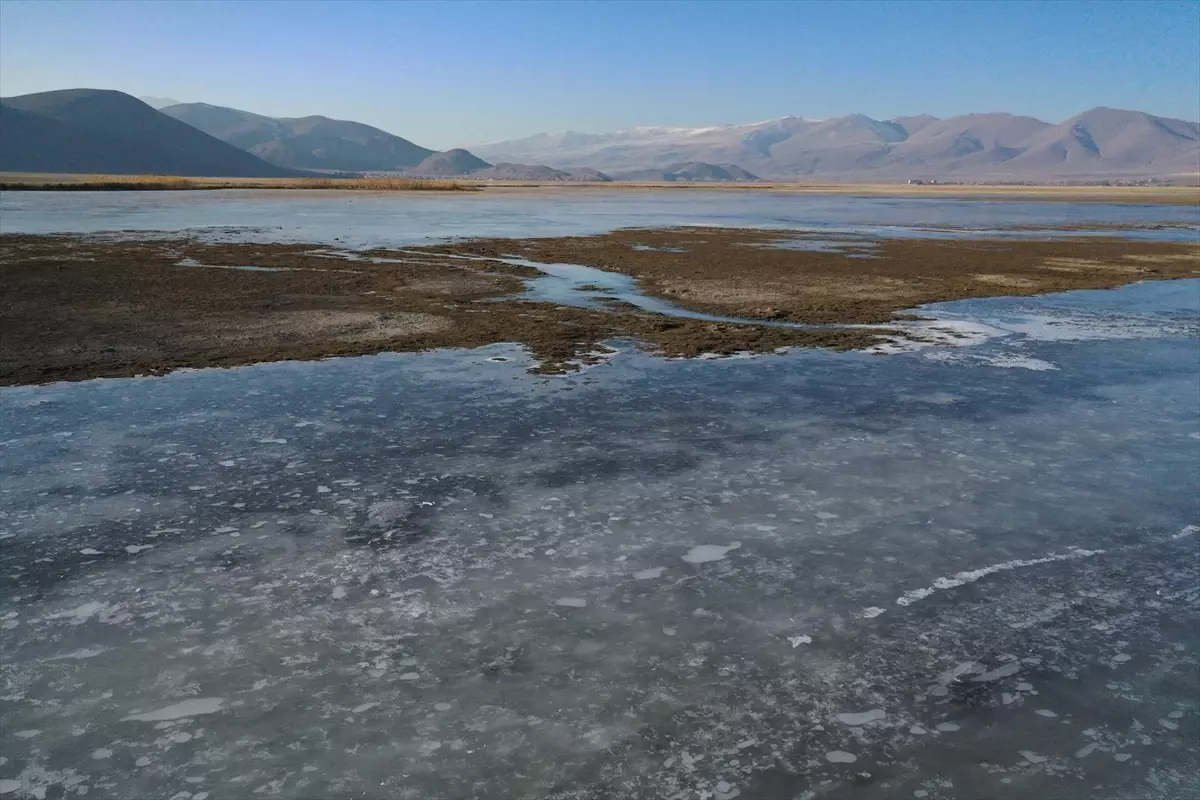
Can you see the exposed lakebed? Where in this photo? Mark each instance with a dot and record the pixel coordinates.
(112, 305)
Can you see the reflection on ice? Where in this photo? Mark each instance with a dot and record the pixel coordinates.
(361, 220)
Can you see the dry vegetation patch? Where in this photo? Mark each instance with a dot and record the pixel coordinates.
(79, 307)
(738, 272)
(116, 183)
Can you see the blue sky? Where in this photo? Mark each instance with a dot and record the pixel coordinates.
(455, 73)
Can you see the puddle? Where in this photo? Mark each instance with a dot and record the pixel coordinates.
(580, 286)
(646, 248)
(191, 262)
(819, 245)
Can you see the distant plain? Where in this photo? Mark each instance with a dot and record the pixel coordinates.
(27, 181)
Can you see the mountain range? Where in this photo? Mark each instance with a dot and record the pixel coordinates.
(324, 144)
(1103, 143)
(103, 131)
(315, 143)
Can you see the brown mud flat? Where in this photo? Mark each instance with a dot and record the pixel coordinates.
(745, 273)
(84, 307)
(79, 307)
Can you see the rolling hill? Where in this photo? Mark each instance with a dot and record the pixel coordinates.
(534, 172)
(103, 131)
(311, 143)
(695, 171)
(450, 164)
(1099, 144)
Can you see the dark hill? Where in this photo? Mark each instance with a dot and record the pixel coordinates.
(450, 164)
(102, 131)
(588, 174)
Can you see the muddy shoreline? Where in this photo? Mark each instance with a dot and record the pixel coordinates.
(78, 307)
(845, 279)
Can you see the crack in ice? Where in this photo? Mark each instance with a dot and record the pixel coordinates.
(963, 578)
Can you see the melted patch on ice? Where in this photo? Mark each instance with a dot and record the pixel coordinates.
(862, 717)
(840, 757)
(649, 574)
(188, 708)
(571, 602)
(704, 553)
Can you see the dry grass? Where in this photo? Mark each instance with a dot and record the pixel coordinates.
(1176, 195)
(1169, 195)
(116, 183)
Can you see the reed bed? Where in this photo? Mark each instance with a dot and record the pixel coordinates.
(116, 183)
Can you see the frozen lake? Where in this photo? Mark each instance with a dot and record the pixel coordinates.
(969, 571)
(358, 219)
(952, 573)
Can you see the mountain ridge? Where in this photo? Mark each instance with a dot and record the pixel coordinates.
(991, 145)
(313, 142)
(92, 130)
(106, 131)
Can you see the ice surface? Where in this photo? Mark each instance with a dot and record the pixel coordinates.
(1047, 519)
(361, 220)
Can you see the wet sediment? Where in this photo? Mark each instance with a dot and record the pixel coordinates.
(83, 307)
